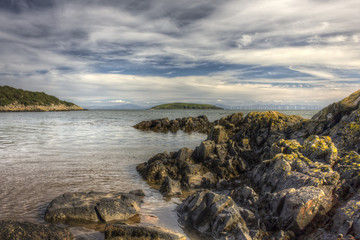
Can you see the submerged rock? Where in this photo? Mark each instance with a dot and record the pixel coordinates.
(25, 230)
(93, 207)
(140, 232)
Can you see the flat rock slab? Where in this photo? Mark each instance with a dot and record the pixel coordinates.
(140, 232)
(93, 207)
(25, 230)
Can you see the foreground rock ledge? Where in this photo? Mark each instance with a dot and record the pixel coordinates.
(25, 230)
(140, 232)
(93, 207)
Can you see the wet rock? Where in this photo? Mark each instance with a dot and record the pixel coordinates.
(347, 218)
(25, 230)
(170, 187)
(92, 207)
(140, 232)
(213, 214)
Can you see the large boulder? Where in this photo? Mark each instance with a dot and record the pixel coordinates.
(291, 169)
(139, 232)
(294, 208)
(25, 230)
(213, 214)
(93, 207)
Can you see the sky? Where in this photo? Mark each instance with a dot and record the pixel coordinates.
(148, 52)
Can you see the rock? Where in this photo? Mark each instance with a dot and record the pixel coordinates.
(188, 124)
(170, 187)
(292, 170)
(204, 151)
(218, 134)
(349, 169)
(213, 214)
(320, 149)
(140, 232)
(92, 207)
(296, 208)
(138, 192)
(184, 154)
(347, 218)
(245, 197)
(25, 230)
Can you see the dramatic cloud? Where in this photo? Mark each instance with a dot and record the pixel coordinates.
(232, 52)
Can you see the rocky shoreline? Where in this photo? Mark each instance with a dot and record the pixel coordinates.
(262, 176)
(266, 175)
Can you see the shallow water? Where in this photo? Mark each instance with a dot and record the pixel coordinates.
(43, 155)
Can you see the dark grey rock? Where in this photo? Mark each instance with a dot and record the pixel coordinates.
(213, 214)
(92, 207)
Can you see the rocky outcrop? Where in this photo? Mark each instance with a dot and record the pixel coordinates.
(140, 232)
(25, 230)
(187, 124)
(93, 207)
(285, 176)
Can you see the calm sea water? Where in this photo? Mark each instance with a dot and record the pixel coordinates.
(43, 155)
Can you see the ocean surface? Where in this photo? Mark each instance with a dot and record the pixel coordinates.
(45, 154)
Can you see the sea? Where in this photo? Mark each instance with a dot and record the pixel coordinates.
(45, 154)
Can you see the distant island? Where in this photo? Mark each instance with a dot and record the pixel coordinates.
(185, 106)
(18, 100)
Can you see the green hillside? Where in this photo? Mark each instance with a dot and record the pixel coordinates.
(185, 106)
(9, 95)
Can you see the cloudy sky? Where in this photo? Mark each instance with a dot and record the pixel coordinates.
(146, 52)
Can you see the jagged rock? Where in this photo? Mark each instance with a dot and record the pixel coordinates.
(261, 130)
(218, 134)
(245, 197)
(296, 208)
(170, 187)
(349, 169)
(231, 122)
(205, 149)
(25, 230)
(347, 218)
(292, 171)
(184, 154)
(140, 232)
(92, 207)
(213, 214)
